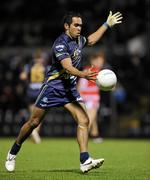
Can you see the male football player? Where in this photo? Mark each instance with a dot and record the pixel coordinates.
(59, 88)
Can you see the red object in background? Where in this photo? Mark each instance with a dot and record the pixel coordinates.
(87, 86)
(93, 69)
(89, 90)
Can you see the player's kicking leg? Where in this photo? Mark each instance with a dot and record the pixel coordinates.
(79, 113)
(35, 119)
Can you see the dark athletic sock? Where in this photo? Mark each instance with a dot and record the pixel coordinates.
(84, 156)
(15, 149)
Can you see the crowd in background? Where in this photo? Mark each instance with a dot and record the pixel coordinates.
(27, 25)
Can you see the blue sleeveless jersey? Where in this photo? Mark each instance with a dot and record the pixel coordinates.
(59, 87)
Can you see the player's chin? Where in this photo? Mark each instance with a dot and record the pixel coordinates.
(78, 34)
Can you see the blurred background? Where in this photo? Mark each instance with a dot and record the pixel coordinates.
(28, 25)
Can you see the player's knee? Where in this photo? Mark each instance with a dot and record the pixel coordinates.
(34, 122)
(84, 122)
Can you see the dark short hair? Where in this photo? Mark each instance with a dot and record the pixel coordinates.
(69, 15)
(101, 54)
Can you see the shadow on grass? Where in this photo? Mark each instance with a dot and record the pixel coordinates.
(76, 171)
(59, 171)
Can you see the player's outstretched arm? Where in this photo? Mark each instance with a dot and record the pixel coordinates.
(110, 22)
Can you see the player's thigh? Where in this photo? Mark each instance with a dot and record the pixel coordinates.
(78, 111)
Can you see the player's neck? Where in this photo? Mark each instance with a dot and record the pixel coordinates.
(68, 34)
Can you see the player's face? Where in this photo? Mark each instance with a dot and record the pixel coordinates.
(75, 27)
(40, 60)
(98, 62)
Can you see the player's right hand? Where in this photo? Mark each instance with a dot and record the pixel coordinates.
(89, 74)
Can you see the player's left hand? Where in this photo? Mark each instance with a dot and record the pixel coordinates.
(114, 19)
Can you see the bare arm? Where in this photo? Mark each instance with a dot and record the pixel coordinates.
(67, 65)
(111, 21)
(93, 38)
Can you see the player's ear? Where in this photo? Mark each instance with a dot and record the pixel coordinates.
(66, 26)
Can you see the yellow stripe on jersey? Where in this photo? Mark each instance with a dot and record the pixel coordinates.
(56, 75)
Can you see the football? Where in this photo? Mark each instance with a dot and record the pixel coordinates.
(106, 80)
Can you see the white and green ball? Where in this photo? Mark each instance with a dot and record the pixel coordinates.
(106, 80)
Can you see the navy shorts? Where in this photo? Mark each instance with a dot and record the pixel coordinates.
(51, 96)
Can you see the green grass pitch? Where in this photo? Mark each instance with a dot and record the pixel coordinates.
(58, 159)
